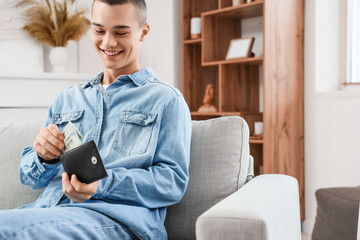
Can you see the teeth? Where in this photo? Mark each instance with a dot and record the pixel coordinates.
(111, 53)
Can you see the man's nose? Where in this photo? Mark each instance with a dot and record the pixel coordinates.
(109, 40)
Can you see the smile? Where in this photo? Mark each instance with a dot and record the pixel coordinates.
(111, 53)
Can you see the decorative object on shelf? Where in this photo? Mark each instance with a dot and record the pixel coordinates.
(240, 48)
(239, 83)
(195, 28)
(249, 1)
(258, 128)
(237, 2)
(54, 23)
(208, 99)
(58, 57)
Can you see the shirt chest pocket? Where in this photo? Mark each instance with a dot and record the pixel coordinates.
(62, 119)
(133, 133)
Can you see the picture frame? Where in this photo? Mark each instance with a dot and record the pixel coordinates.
(240, 48)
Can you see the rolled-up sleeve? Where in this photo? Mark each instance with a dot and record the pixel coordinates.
(32, 172)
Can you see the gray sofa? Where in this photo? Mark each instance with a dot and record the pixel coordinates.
(222, 200)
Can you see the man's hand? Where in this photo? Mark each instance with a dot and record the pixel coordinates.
(76, 190)
(49, 143)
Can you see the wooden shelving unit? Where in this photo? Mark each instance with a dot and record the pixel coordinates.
(193, 41)
(238, 82)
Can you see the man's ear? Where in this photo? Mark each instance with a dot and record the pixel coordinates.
(144, 32)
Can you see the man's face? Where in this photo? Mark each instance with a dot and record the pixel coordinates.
(117, 36)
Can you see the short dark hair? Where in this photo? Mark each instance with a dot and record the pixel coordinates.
(139, 4)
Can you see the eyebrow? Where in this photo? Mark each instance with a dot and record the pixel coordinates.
(118, 26)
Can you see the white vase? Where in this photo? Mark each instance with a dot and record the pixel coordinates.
(258, 128)
(236, 2)
(58, 58)
(195, 29)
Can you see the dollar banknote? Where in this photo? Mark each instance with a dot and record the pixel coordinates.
(73, 138)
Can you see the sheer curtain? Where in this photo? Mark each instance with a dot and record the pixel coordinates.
(353, 42)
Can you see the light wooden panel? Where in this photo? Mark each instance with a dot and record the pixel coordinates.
(257, 152)
(216, 47)
(196, 77)
(240, 88)
(201, 6)
(284, 90)
(225, 3)
(187, 14)
(194, 8)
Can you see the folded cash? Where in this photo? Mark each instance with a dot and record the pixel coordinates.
(70, 127)
(73, 137)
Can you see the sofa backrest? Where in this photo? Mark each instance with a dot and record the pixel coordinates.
(218, 167)
(14, 137)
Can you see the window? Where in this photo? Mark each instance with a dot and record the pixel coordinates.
(353, 41)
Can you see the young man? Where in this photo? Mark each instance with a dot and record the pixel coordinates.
(142, 128)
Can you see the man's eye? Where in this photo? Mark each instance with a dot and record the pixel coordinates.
(121, 34)
(99, 31)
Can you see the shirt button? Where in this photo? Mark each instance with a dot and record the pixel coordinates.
(107, 94)
(59, 119)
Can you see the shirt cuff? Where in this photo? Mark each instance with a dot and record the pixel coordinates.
(50, 162)
(43, 165)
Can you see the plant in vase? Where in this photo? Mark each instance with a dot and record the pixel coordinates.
(54, 23)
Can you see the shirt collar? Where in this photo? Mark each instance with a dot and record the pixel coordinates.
(94, 81)
(139, 78)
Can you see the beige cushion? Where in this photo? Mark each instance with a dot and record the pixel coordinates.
(219, 164)
(218, 167)
(13, 139)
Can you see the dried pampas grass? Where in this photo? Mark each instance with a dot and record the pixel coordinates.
(51, 22)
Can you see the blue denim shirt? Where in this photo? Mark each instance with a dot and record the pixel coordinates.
(142, 128)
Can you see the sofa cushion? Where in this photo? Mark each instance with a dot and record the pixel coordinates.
(14, 137)
(337, 213)
(218, 167)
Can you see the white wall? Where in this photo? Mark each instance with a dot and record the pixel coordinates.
(162, 48)
(27, 97)
(332, 129)
(21, 59)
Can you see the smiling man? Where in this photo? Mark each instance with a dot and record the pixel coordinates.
(142, 128)
(117, 36)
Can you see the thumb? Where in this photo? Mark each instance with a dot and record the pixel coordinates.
(65, 176)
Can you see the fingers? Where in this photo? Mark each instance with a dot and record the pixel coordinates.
(49, 142)
(56, 132)
(70, 192)
(77, 191)
(53, 135)
(80, 187)
(45, 148)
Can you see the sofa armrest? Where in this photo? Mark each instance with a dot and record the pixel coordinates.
(267, 207)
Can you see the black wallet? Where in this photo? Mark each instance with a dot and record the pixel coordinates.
(85, 162)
